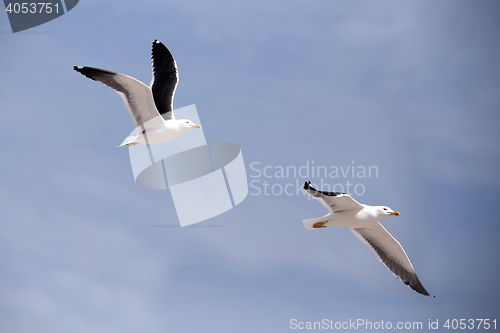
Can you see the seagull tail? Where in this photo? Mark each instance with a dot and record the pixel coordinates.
(131, 141)
(309, 224)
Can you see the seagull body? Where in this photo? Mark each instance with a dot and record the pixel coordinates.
(363, 221)
(151, 108)
(159, 130)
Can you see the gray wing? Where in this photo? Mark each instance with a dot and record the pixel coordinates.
(333, 201)
(388, 251)
(136, 95)
(165, 78)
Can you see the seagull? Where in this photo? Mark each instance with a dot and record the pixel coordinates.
(151, 108)
(363, 221)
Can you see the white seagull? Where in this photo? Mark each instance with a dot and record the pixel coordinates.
(151, 109)
(363, 221)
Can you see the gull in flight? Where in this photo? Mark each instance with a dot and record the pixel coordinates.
(363, 221)
(151, 109)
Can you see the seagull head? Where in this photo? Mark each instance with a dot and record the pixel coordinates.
(188, 124)
(385, 211)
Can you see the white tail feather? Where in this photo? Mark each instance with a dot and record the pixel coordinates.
(130, 140)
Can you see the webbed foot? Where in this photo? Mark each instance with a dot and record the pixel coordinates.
(319, 225)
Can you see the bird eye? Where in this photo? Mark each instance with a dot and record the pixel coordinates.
(385, 208)
(187, 122)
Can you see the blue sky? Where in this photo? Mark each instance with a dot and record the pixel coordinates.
(410, 87)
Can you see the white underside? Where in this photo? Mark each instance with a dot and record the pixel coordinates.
(348, 219)
(155, 132)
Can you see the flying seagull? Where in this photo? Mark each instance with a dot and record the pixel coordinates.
(151, 109)
(363, 221)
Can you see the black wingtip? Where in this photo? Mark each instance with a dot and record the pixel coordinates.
(307, 185)
(93, 73)
(159, 52)
(417, 286)
(81, 69)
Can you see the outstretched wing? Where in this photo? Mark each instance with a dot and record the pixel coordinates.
(388, 251)
(165, 78)
(135, 94)
(333, 201)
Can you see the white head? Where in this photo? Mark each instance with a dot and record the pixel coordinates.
(187, 124)
(384, 211)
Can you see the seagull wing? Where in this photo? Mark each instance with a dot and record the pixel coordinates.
(165, 79)
(333, 201)
(135, 94)
(388, 251)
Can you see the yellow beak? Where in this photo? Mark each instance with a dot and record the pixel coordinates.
(395, 213)
(195, 126)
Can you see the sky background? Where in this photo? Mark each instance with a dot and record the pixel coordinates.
(409, 87)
